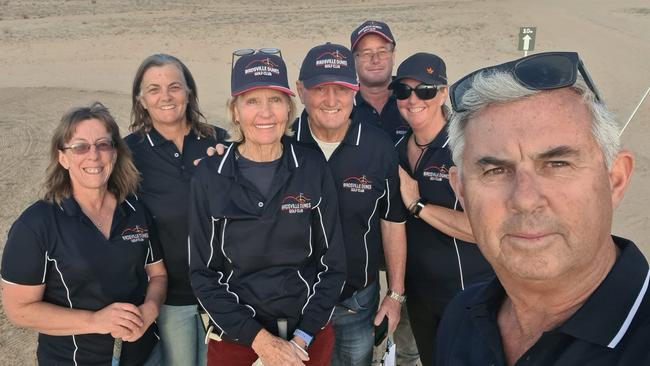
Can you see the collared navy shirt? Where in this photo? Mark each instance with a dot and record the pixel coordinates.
(388, 119)
(60, 247)
(612, 328)
(165, 190)
(258, 258)
(437, 266)
(365, 172)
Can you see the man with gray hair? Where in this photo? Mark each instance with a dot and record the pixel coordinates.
(539, 171)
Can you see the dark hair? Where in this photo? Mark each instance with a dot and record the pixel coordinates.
(124, 177)
(140, 119)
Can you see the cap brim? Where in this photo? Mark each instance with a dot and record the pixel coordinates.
(432, 81)
(373, 32)
(331, 79)
(274, 87)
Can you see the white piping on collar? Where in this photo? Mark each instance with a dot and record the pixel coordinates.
(400, 140)
(299, 127)
(295, 160)
(358, 134)
(446, 142)
(223, 160)
(630, 315)
(149, 138)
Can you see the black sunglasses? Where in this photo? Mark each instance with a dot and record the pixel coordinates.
(251, 51)
(542, 71)
(423, 91)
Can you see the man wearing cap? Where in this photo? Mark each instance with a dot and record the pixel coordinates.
(442, 258)
(364, 164)
(539, 172)
(373, 46)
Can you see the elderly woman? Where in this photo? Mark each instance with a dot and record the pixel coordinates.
(267, 259)
(83, 265)
(169, 132)
(442, 258)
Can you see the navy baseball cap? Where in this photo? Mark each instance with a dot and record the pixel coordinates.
(371, 27)
(424, 67)
(259, 70)
(329, 64)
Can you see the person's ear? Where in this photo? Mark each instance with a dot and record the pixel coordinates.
(620, 175)
(63, 160)
(300, 87)
(457, 184)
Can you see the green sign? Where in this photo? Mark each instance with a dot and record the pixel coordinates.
(527, 38)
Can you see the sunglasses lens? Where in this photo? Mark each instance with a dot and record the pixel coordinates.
(80, 148)
(546, 72)
(270, 51)
(243, 52)
(105, 146)
(426, 92)
(402, 91)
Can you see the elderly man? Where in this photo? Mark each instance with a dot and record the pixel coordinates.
(365, 169)
(539, 173)
(373, 45)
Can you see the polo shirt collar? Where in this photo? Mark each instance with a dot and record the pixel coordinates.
(303, 131)
(227, 166)
(605, 317)
(156, 139)
(71, 208)
(439, 142)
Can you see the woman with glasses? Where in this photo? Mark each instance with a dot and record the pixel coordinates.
(83, 265)
(442, 258)
(169, 133)
(266, 252)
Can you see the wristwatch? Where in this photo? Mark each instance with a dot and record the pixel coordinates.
(397, 297)
(417, 208)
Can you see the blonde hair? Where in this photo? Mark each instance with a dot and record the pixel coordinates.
(124, 178)
(234, 130)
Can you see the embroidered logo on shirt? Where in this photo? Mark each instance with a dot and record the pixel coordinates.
(296, 203)
(135, 234)
(436, 173)
(401, 130)
(357, 184)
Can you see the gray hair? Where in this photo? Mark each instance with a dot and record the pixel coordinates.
(501, 87)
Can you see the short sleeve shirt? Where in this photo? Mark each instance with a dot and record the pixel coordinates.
(612, 328)
(166, 173)
(388, 119)
(58, 246)
(365, 170)
(438, 266)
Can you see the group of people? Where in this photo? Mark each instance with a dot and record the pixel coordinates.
(505, 199)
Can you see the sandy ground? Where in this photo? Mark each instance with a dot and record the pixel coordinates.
(58, 54)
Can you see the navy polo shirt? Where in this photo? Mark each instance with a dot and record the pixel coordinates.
(437, 266)
(388, 119)
(365, 170)
(165, 190)
(60, 247)
(612, 328)
(257, 258)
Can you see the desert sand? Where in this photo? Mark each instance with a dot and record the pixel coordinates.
(58, 54)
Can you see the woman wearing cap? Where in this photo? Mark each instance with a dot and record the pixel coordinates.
(83, 265)
(169, 132)
(442, 258)
(266, 252)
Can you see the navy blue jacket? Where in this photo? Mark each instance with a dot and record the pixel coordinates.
(254, 260)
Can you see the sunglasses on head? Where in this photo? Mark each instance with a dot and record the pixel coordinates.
(542, 71)
(81, 148)
(423, 91)
(251, 51)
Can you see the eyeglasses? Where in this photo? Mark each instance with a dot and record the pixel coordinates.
(382, 55)
(423, 91)
(542, 71)
(251, 51)
(81, 148)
